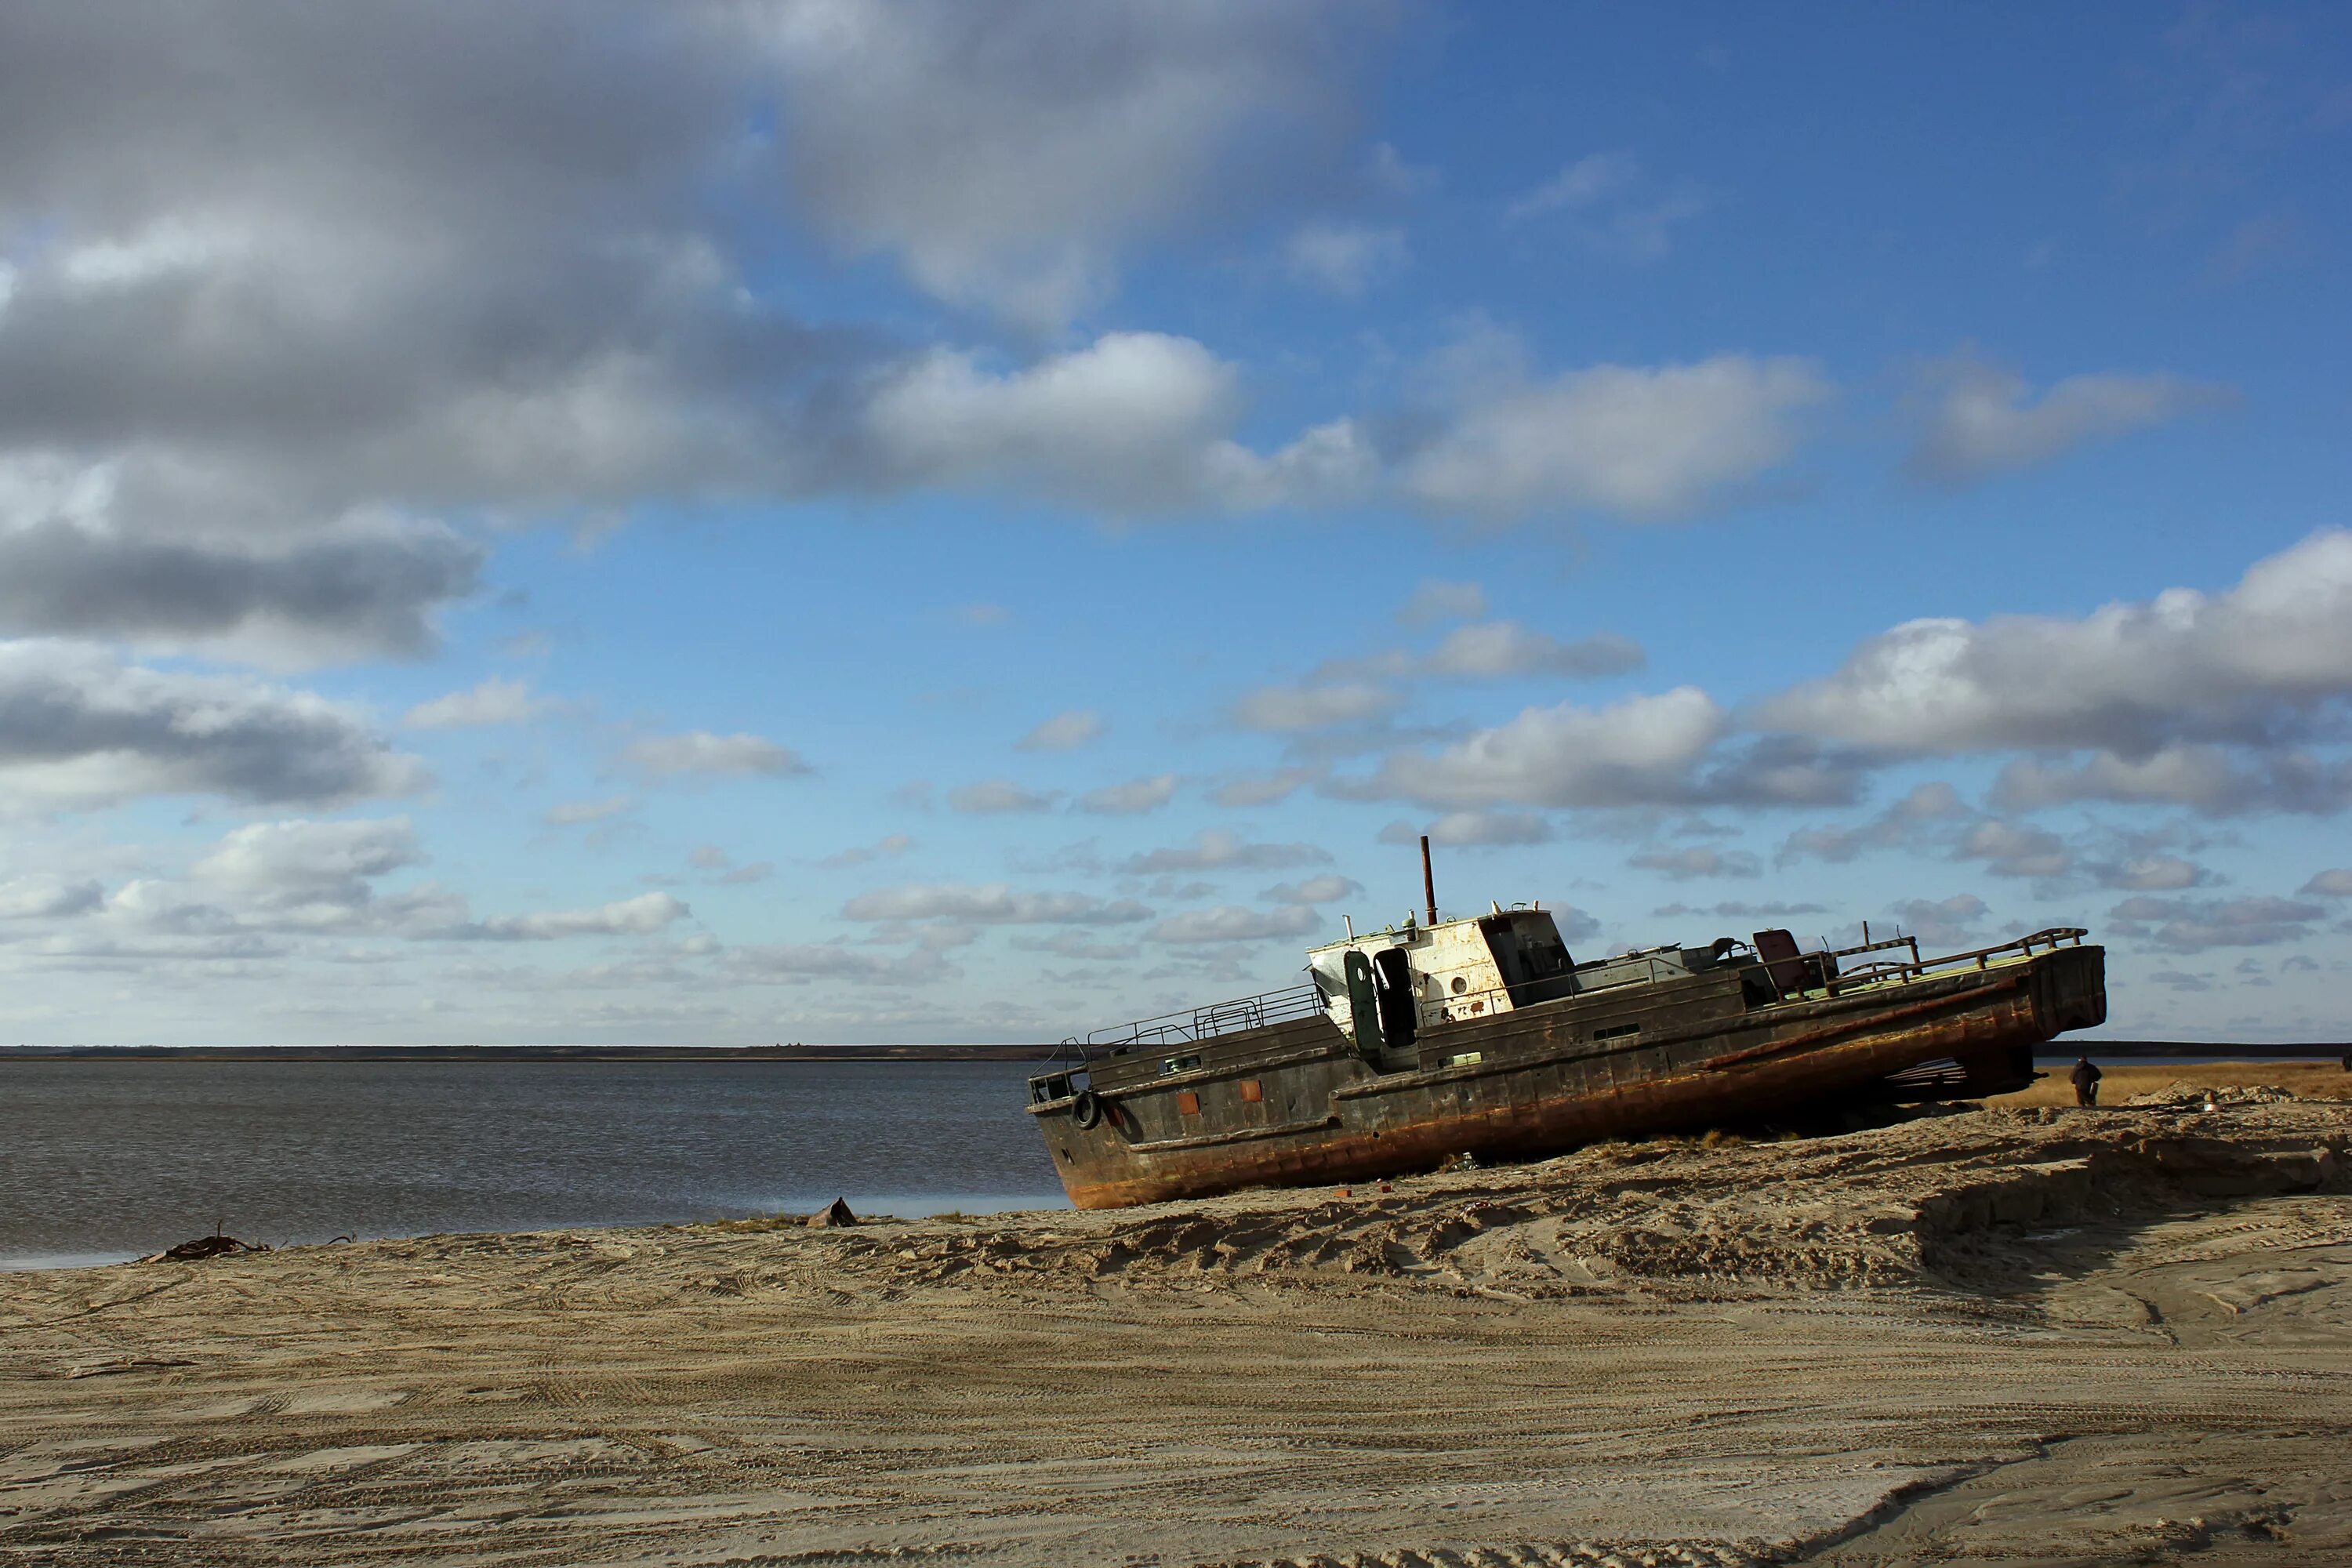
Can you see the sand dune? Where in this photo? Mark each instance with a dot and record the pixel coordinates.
(2023, 1335)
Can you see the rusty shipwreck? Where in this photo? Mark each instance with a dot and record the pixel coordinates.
(1482, 1035)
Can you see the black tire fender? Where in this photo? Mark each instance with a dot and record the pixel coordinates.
(1087, 1109)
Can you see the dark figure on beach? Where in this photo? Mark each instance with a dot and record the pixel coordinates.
(2086, 1082)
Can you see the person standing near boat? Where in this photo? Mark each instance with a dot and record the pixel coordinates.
(2087, 1081)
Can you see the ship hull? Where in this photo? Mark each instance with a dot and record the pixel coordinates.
(1292, 1105)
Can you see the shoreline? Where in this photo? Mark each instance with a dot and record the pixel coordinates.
(2005, 1334)
(2198, 1051)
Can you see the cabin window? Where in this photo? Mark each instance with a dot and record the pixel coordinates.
(1460, 985)
(1180, 1064)
(1188, 1103)
(1616, 1031)
(1464, 1059)
(1250, 1092)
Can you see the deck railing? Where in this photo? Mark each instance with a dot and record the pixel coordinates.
(1205, 1023)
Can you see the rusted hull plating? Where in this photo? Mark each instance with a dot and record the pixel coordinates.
(1325, 1117)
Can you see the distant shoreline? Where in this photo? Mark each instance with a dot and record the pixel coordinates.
(2210, 1050)
(1013, 1053)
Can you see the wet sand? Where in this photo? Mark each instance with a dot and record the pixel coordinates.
(2025, 1335)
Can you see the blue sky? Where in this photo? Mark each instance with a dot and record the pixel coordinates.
(806, 521)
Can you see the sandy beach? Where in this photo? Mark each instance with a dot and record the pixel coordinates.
(2025, 1334)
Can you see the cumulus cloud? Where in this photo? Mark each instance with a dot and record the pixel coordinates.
(1686, 865)
(990, 903)
(354, 589)
(1640, 443)
(1322, 890)
(1004, 152)
(300, 863)
(1267, 788)
(700, 752)
(48, 898)
(1942, 922)
(2193, 925)
(1472, 829)
(1282, 709)
(1977, 420)
(1434, 600)
(1062, 732)
(791, 963)
(1216, 849)
(2154, 686)
(1131, 798)
(495, 701)
(1612, 208)
(1344, 258)
(2336, 883)
(645, 913)
(997, 797)
(858, 855)
(2215, 780)
(1637, 752)
(1484, 650)
(1236, 922)
(2009, 849)
(80, 728)
(573, 813)
(1899, 824)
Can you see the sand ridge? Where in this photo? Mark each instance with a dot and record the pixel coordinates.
(2030, 1334)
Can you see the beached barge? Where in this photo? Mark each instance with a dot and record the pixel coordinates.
(1483, 1035)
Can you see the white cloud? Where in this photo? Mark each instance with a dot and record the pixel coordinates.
(1344, 258)
(645, 913)
(573, 813)
(283, 865)
(1942, 922)
(1321, 889)
(990, 903)
(1638, 751)
(1131, 798)
(997, 797)
(2008, 849)
(1899, 824)
(1005, 153)
(80, 728)
(1496, 648)
(1643, 444)
(700, 752)
(45, 898)
(1265, 789)
(1062, 732)
(1236, 922)
(858, 855)
(1463, 829)
(1120, 424)
(1282, 709)
(1579, 184)
(1216, 849)
(1977, 420)
(2129, 679)
(1434, 600)
(1612, 208)
(494, 701)
(2193, 925)
(1684, 864)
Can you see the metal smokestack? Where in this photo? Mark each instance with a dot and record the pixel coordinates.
(1428, 883)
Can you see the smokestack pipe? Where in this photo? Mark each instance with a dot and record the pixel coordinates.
(1428, 883)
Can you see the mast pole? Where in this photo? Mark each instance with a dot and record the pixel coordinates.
(1428, 882)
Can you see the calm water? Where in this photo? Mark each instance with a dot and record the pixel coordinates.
(104, 1159)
